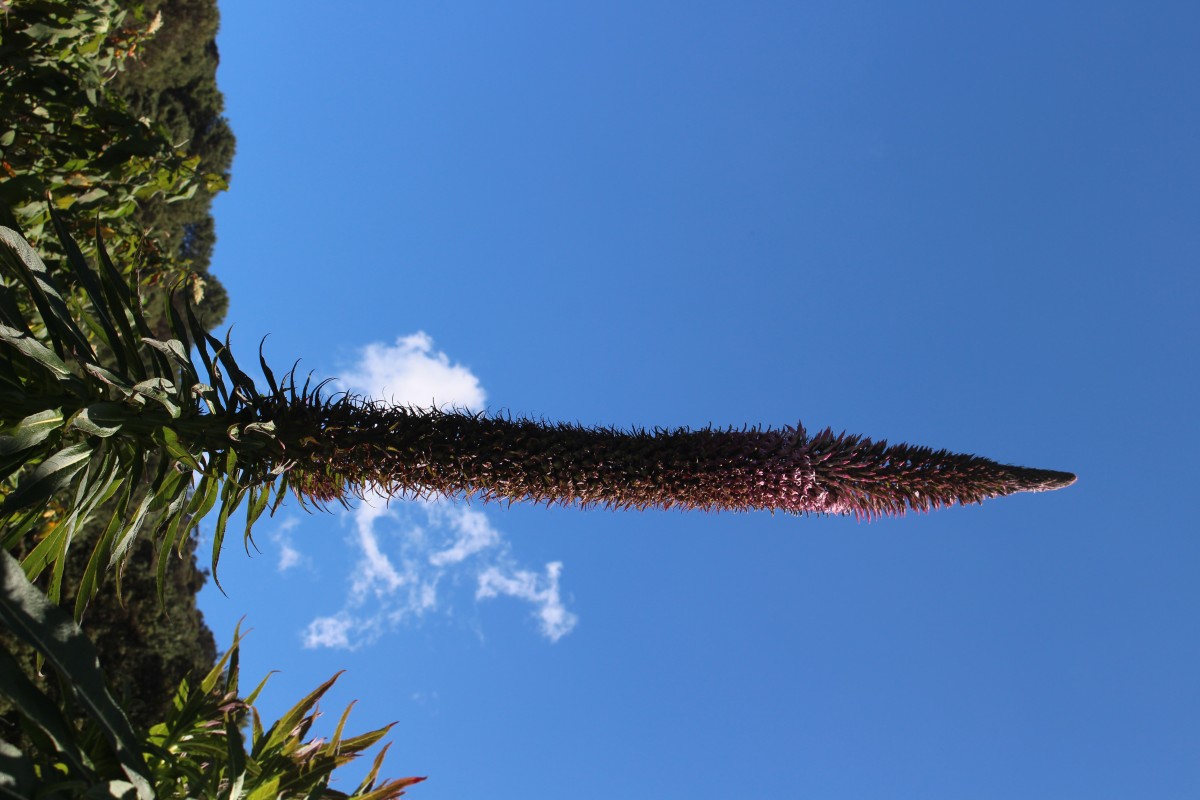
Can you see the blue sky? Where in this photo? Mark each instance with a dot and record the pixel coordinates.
(970, 226)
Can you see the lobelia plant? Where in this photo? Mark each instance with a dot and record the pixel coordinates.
(100, 422)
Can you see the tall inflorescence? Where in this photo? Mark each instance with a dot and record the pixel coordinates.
(413, 451)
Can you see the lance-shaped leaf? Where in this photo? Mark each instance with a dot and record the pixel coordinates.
(43, 712)
(28, 266)
(35, 350)
(26, 434)
(50, 630)
(101, 419)
(47, 477)
(87, 277)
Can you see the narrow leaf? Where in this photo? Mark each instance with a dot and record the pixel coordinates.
(159, 390)
(48, 477)
(50, 630)
(42, 712)
(283, 727)
(101, 419)
(172, 348)
(91, 285)
(32, 348)
(31, 431)
(170, 441)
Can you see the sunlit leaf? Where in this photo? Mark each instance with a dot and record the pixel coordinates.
(101, 419)
(30, 431)
(48, 477)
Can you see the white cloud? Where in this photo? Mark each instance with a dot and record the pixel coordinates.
(414, 555)
(411, 372)
(329, 631)
(473, 529)
(374, 573)
(555, 620)
(410, 550)
(289, 556)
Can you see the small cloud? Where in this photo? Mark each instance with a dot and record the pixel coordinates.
(329, 631)
(412, 372)
(556, 621)
(289, 556)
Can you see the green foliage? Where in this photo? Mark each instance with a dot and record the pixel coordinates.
(72, 127)
(70, 134)
(111, 109)
(67, 133)
(198, 751)
(173, 81)
(146, 647)
(105, 429)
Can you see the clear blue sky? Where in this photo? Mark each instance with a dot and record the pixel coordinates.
(971, 226)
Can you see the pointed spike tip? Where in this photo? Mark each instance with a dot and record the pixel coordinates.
(1042, 480)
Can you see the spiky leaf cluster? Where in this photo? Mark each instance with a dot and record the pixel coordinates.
(199, 751)
(126, 423)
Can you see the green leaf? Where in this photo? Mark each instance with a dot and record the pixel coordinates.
(265, 791)
(50, 630)
(101, 419)
(257, 691)
(283, 727)
(130, 531)
(94, 194)
(116, 381)
(200, 503)
(55, 315)
(170, 442)
(361, 742)
(203, 340)
(159, 390)
(389, 789)
(48, 477)
(259, 495)
(105, 487)
(120, 300)
(237, 760)
(231, 498)
(32, 348)
(266, 429)
(7, 138)
(172, 348)
(31, 431)
(43, 712)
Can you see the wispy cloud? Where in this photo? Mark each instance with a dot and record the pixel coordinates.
(281, 537)
(413, 553)
(556, 621)
(473, 533)
(411, 556)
